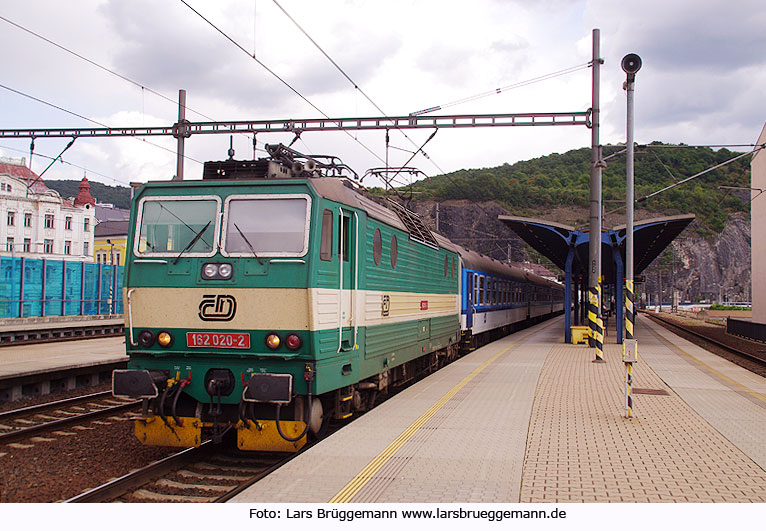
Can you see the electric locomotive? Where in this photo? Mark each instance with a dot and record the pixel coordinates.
(271, 296)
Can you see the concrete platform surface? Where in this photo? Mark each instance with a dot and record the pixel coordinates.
(22, 360)
(531, 419)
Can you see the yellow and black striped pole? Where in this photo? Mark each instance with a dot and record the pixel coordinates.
(629, 357)
(629, 390)
(629, 311)
(596, 329)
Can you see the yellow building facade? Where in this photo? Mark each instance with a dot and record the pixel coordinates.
(110, 242)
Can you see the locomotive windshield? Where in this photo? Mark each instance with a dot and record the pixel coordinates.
(266, 226)
(169, 226)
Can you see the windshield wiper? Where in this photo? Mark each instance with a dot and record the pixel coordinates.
(248, 243)
(192, 242)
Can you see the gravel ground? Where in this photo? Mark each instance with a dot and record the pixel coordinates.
(35, 400)
(67, 465)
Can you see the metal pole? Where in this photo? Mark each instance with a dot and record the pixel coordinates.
(594, 248)
(181, 135)
(630, 64)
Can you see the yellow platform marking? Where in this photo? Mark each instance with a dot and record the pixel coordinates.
(754, 394)
(361, 479)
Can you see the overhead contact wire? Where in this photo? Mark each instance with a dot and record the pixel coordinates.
(354, 83)
(270, 71)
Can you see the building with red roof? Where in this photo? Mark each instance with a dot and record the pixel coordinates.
(36, 222)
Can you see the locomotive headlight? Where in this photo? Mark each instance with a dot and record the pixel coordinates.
(273, 341)
(217, 271)
(165, 339)
(225, 270)
(209, 270)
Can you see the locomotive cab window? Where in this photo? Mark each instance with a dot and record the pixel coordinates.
(168, 226)
(266, 225)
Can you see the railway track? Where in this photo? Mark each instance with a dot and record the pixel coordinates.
(760, 361)
(206, 474)
(19, 424)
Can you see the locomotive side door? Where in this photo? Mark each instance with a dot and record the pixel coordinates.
(348, 237)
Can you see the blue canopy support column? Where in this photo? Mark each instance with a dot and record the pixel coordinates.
(568, 297)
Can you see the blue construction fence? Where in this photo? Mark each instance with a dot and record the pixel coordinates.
(38, 288)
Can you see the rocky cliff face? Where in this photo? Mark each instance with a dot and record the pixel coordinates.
(475, 226)
(699, 269)
(703, 270)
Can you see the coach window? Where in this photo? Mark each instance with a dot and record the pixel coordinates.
(481, 290)
(325, 248)
(503, 285)
(394, 251)
(446, 265)
(475, 288)
(490, 290)
(377, 247)
(469, 287)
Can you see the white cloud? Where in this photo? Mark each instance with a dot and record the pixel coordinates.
(701, 79)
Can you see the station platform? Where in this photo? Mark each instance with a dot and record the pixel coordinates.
(39, 369)
(531, 419)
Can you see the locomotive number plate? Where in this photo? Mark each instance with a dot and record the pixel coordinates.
(217, 340)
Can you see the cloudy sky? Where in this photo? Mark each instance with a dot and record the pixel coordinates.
(702, 80)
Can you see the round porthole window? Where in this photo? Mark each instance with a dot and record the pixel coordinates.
(377, 247)
(394, 251)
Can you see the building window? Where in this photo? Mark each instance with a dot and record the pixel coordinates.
(11, 218)
(68, 223)
(27, 245)
(48, 246)
(9, 244)
(86, 225)
(85, 248)
(48, 221)
(27, 219)
(67, 247)
(117, 259)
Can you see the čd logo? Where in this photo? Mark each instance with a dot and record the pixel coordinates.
(217, 308)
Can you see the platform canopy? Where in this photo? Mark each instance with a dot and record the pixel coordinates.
(554, 241)
(569, 249)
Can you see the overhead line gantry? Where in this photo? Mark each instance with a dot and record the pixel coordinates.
(186, 128)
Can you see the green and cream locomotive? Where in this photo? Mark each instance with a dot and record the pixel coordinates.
(271, 296)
